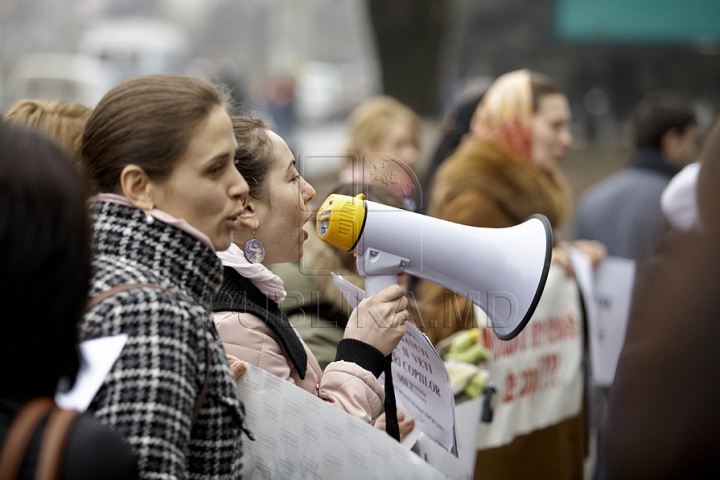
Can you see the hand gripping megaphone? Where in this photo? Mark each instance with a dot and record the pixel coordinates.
(501, 270)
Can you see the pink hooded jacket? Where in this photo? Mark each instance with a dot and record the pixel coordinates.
(344, 385)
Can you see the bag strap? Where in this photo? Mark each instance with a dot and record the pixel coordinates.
(128, 286)
(53, 443)
(203, 392)
(100, 297)
(21, 432)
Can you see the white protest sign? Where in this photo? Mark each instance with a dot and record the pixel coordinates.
(608, 290)
(539, 372)
(422, 384)
(300, 436)
(423, 389)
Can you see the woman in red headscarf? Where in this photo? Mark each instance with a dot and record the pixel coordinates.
(507, 170)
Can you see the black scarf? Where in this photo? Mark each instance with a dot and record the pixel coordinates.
(238, 294)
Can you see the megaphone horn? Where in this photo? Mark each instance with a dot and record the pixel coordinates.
(501, 270)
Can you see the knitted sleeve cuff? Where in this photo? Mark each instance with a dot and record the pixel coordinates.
(362, 354)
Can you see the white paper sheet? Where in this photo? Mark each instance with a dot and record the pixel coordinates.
(353, 295)
(609, 287)
(300, 436)
(422, 384)
(423, 388)
(99, 356)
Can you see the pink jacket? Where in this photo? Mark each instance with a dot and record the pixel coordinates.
(344, 385)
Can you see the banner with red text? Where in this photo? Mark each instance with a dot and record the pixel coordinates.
(539, 372)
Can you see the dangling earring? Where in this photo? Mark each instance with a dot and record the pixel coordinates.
(149, 219)
(254, 250)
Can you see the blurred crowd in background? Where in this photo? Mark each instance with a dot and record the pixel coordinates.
(343, 80)
(306, 64)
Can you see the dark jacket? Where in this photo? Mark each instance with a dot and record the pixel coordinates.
(662, 419)
(623, 211)
(149, 395)
(92, 451)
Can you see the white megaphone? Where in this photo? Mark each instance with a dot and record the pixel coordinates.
(501, 270)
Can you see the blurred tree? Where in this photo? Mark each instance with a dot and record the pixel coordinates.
(408, 36)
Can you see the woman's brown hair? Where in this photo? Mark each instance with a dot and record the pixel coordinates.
(61, 120)
(146, 121)
(45, 262)
(254, 156)
(371, 120)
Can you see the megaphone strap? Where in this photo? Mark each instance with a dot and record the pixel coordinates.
(391, 423)
(238, 294)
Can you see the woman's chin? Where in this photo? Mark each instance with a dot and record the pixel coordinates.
(222, 244)
(299, 254)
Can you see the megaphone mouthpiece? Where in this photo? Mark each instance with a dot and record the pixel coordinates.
(348, 219)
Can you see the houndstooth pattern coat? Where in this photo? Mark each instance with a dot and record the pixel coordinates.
(150, 394)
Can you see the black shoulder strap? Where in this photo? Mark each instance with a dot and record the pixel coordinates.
(238, 294)
(128, 286)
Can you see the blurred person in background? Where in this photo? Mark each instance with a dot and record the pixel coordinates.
(159, 151)
(63, 121)
(45, 267)
(455, 128)
(384, 147)
(623, 211)
(508, 170)
(315, 305)
(246, 312)
(662, 419)
(281, 106)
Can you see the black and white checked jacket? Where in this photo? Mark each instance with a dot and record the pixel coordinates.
(151, 391)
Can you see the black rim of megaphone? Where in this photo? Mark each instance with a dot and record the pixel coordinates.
(543, 279)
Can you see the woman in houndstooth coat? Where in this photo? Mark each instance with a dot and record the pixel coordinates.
(159, 153)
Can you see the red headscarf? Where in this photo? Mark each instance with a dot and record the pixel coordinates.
(505, 114)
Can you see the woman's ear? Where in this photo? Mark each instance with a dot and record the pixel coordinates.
(137, 187)
(249, 217)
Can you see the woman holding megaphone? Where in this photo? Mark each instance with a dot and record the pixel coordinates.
(252, 326)
(159, 153)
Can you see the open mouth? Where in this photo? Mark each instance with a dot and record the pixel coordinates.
(310, 216)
